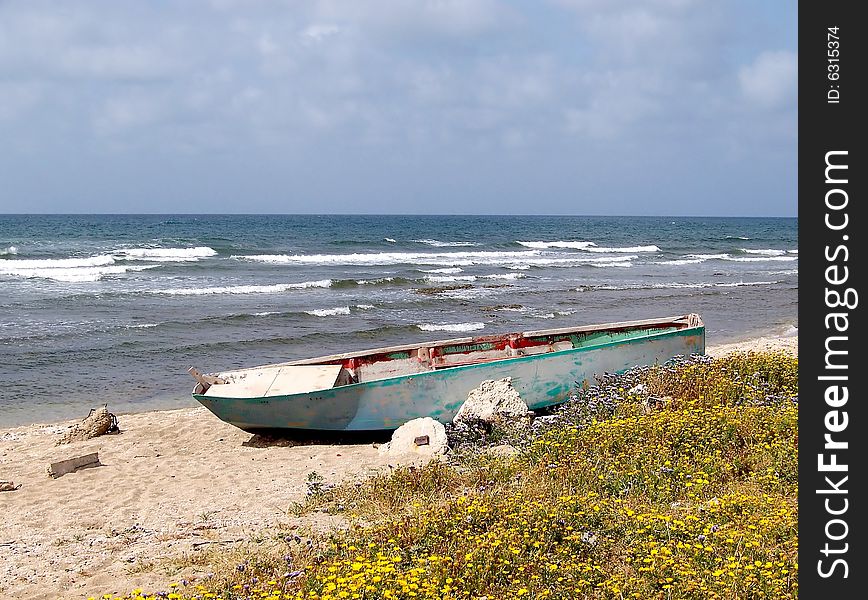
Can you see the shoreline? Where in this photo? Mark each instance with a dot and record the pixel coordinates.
(172, 484)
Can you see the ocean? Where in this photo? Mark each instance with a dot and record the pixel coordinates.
(113, 309)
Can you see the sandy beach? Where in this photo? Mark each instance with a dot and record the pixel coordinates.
(171, 484)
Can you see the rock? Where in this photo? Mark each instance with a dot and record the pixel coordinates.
(423, 436)
(8, 486)
(98, 422)
(492, 402)
(504, 451)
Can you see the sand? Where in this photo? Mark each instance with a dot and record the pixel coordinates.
(171, 484)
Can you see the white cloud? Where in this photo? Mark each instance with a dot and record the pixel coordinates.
(771, 80)
(315, 34)
(400, 17)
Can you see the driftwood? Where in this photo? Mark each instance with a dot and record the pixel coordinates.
(98, 422)
(206, 380)
(62, 467)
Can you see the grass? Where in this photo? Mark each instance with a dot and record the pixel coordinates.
(675, 482)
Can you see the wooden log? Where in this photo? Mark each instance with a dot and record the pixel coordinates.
(62, 467)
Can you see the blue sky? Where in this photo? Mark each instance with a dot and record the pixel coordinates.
(622, 107)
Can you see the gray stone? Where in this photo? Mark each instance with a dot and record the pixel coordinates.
(492, 402)
(404, 439)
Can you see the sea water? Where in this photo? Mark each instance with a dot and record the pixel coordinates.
(114, 308)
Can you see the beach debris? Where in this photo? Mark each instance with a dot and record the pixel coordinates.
(62, 467)
(8, 486)
(98, 422)
(423, 436)
(493, 402)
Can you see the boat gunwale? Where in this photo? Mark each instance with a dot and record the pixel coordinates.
(506, 360)
(681, 321)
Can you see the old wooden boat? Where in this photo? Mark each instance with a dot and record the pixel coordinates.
(386, 387)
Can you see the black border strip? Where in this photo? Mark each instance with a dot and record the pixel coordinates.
(831, 104)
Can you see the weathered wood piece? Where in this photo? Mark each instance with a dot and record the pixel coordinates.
(98, 422)
(62, 467)
(422, 440)
(206, 380)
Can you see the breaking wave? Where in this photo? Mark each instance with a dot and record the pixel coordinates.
(166, 254)
(672, 285)
(329, 312)
(446, 271)
(445, 259)
(67, 270)
(451, 326)
(245, 289)
(766, 252)
(439, 244)
(588, 247)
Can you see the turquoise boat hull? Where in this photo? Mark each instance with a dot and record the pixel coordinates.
(542, 380)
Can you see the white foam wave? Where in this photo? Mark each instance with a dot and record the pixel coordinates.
(245, 289)
(469, 294)
(451, 326)
(626, 249)
(266, 313)
(446, 271)
(784, 272)
(9, 251)
(570, 261)
(683, 261)
(449, 278)
(392, 240)
(144, 326)
(57, 263)
(519, 267)
(672, 285)
(439, 244)
(796, 251)
(446, 259)
(365, 306)
(504, 276)
(762, 258)
(764, 252)
(545, 316)
(167, 254)
(329, 312)
(737, 237)
(454, 278)
(708, 256)
(745, 283)
(588, 247)
(71, 275)
(559, 244)
(622, 264)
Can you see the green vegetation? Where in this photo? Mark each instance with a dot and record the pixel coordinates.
(676, 482)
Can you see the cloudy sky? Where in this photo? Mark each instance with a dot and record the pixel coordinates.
(621, 107)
